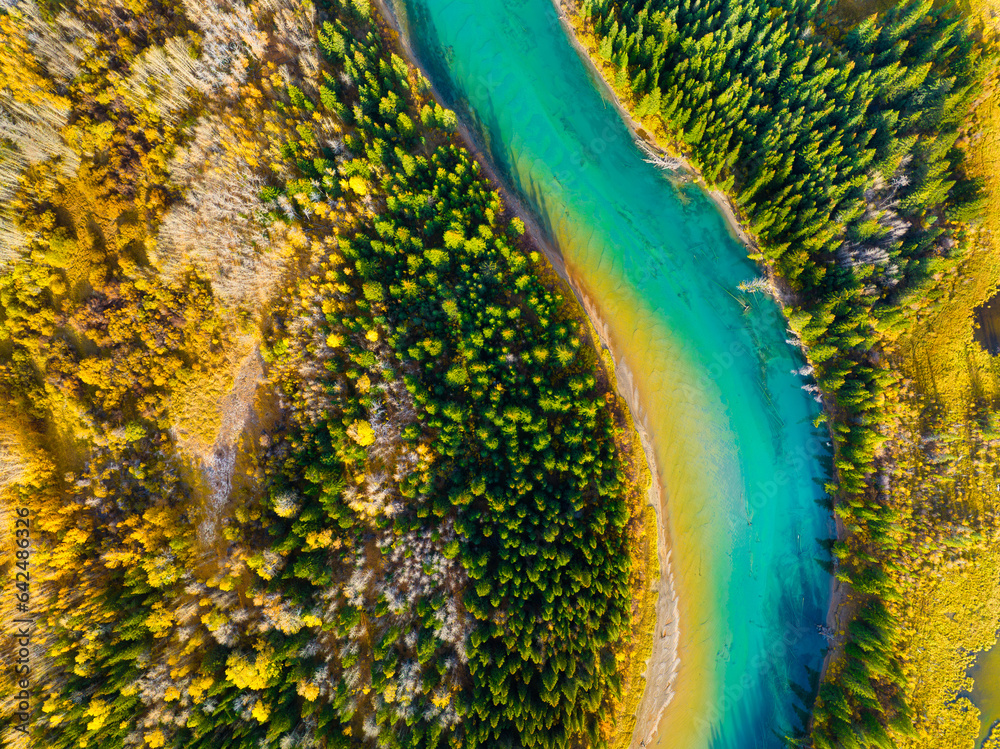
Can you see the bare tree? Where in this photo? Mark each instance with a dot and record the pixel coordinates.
(34, 131)
(293, 33)
(216, 229)
(165, 75)
(231, 40)
(56, 44)
(12, 465)
(12, 240)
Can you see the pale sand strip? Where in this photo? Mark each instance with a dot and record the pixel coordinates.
(664, 662)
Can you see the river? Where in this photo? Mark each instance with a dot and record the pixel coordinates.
(731, 425)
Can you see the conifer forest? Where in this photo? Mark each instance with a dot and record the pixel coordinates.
(313, 434)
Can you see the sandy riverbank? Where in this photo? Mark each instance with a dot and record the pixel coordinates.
(680, 163)
(663, 664)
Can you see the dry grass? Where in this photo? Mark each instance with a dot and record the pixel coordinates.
(941, 354)
(196, 396)
(954, 615)
(217, 424)
(954, 611)
(986, 12)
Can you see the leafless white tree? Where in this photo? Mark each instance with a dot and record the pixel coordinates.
(58, 45)
(12, 465)
(216, 229)
(292, 24)
(165, 75)
(34, 130)
(231, 40)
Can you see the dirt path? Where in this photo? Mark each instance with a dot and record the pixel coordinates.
(220, 459)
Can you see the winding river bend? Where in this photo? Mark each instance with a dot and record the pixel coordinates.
(740, 461)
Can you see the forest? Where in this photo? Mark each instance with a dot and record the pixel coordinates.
(312, 447)
(843, 145)
(316, 449)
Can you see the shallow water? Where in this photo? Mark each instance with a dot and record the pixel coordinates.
(987, 325)
(986, 692)
(731, 424)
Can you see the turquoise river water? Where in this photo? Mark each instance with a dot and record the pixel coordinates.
(740, 461)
